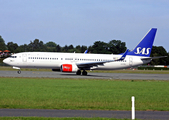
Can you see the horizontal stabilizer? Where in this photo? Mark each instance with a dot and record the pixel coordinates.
(150, 58)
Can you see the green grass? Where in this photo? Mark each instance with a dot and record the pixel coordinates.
(45, 93)
(43, 118)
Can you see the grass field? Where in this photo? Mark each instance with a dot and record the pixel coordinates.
(45, 93)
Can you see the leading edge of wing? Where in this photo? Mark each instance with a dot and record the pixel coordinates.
(91, 64)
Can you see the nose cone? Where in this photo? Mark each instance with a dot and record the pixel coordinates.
(5, 61)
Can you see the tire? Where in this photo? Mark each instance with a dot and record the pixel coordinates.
(84, 73)
(78, 72)
(19, 72)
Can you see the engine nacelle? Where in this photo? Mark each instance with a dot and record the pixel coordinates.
(69, 68)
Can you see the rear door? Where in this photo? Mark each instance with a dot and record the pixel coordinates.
(130, 61)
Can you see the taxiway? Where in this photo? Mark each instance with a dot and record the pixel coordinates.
(127, 76)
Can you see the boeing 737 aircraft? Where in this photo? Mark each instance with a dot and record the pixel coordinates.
(77, 62)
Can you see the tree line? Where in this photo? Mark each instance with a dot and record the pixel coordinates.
(100, 47)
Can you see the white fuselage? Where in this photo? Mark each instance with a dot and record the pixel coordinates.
(53, 60)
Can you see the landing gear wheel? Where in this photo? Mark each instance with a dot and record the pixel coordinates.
(19, 72)
(78, 72)
(84, 72)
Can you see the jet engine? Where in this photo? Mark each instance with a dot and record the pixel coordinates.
(69, 68)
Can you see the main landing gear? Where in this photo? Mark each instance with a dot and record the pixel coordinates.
(79, 72)
(84, 72)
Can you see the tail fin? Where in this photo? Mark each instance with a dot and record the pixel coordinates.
(145, 46)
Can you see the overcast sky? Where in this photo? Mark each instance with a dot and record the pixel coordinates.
(82, 22)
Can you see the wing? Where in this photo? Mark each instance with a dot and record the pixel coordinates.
(96, 63)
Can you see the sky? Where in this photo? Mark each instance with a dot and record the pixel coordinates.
(82, 22)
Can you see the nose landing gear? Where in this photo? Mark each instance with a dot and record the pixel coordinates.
(19, 71)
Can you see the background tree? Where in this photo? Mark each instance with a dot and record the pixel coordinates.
(159, 51)
(167, 61)
(65, 48)
(12, 47)
(71, 49)
(58, 48)
(100, 47)
(37, 45)
(117, 47)
(51, 46)
(21, 48)
(114, 46)
(83, 48)
(2, 44)
(78, 49)
(90, 49)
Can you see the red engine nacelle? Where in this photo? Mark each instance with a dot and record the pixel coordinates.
(69, 68)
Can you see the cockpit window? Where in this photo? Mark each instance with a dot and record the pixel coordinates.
(13, 57)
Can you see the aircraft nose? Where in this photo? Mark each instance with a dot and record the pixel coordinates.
(5, 61)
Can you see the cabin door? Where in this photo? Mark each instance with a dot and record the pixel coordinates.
(24, 57)
(130, 61)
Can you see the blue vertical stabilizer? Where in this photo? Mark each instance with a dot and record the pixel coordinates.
(145, 46)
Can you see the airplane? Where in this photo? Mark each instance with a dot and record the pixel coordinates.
(80, 62)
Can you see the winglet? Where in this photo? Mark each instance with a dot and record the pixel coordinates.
(85, 51)
(124, 55)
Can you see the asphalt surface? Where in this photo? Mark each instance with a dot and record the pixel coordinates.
(51, 74)
(160, 115)
(154, 115)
